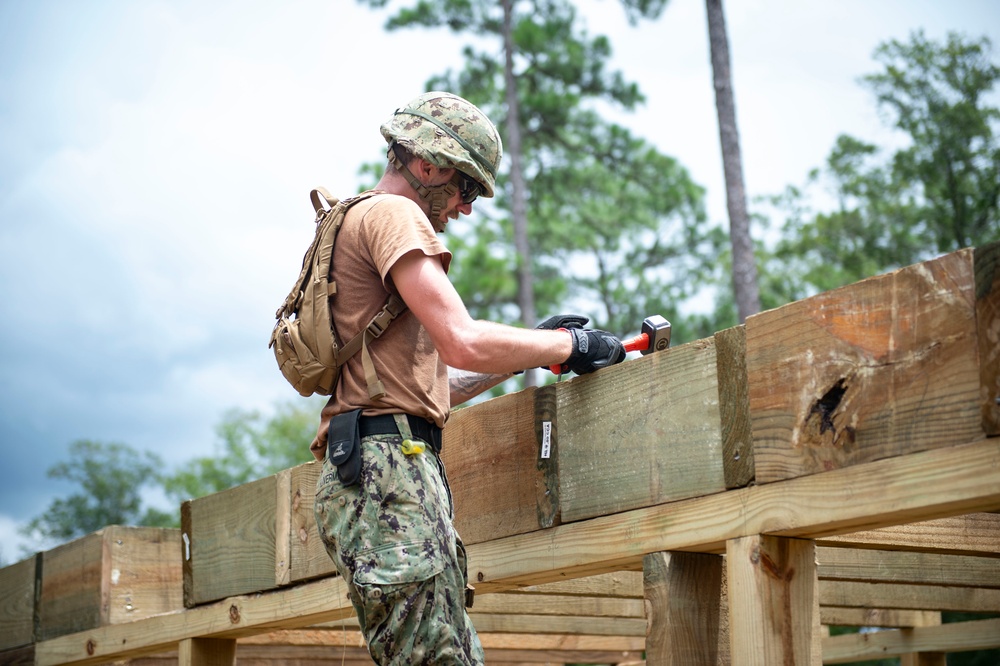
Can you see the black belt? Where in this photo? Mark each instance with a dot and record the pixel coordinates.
(385, 424)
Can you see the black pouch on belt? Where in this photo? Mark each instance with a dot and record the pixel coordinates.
(343, 446)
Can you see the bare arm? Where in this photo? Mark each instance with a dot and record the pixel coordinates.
(463, 342)
(467, 385)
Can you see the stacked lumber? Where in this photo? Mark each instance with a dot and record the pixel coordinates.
(831, 462)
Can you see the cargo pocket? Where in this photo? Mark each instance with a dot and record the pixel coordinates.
(389, 574)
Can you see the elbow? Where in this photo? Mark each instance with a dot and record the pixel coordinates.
(459, 356)
(460, 350)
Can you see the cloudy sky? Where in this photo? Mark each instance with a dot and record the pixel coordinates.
(156, 158)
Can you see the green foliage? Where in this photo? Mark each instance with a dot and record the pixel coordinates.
(935, 93)
(617, 230)
(252, 447)
(111, 478)
(937, 194)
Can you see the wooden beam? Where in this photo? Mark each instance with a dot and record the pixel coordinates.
(230, 542)
(898, 490)
(879, 566)
(876, 617)
(539, 604)
(951, 637)
(970, 534)
(206, 652)
(608, 465)
(773, 601)
(320, 601)
(495, 469)
(912, 597)
(17, 603)
(913, 487)
(880, 368)
(734, 406)
(682, 594)
(987, 260)
(554, 624)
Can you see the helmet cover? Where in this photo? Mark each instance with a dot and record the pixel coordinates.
(449, 132)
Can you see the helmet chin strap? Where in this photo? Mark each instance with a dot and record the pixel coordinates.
(435, 196)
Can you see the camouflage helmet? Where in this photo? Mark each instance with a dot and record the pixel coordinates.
(450, 133)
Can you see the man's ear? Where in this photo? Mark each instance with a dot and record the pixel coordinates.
(427, 172)
(423, 169)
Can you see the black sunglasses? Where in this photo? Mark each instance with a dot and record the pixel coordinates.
(468, 188)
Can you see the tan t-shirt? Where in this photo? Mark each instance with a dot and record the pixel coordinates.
(374, 235)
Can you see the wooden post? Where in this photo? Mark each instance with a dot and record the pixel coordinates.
(682, 592)
(207, 652)
(923, 659)
(773, 601)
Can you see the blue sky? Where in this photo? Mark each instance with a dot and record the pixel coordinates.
(156, 158)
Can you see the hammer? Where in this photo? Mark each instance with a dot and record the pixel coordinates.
(655, 336)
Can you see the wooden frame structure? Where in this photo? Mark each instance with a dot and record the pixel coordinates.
(831, 462)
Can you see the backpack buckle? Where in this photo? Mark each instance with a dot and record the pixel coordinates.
(379, 323)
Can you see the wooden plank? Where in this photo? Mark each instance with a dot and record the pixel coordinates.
(554, 604)
(17, 603)
(987, 259)
(878, 566)
(111, 576)
(640, 433)
(916, 487)
(951, 637)
(530, 641)
(909, 597)
(627, 584)
(876, 617)
(734, 406)
(558, 624)
(682, 593)
(876, 369)
(307, 555)
(231, 542)
(144, 572)
(320, 601)
(22, 656)
(773, 601)
(970, 534)
(72, 588)
(324, 644)
(492, 459)
(206, 652)
(923, 659)
(913, 487)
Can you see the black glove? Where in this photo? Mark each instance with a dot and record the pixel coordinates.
(555, 322)
(592, 350)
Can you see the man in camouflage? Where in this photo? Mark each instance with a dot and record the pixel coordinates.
(386, 513)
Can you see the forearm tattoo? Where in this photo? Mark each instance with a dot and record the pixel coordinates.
(467, 385)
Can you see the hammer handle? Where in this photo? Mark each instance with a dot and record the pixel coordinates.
(638, 343)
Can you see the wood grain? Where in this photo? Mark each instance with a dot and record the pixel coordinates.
(876, 369)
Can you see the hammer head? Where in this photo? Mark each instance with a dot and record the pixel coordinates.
(658, 330)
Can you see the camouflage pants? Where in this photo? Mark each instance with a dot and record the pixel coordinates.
(392, 539)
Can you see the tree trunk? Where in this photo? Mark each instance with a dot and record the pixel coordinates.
(519, 216)
(745, 286)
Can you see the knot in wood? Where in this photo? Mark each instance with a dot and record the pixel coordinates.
(234, 614)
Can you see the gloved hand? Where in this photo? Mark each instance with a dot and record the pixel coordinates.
(593, 349)
(567, 321)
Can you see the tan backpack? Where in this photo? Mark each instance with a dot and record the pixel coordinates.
(305, 342)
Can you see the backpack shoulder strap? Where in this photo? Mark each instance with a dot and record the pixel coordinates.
(393, 307)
